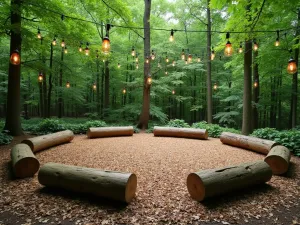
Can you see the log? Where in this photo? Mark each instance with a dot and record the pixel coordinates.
(213, 182)
(247, 142)
(109, 184)
(46, 141)
(24, 162)
(279, 159)
(180, 132)
(99, 132)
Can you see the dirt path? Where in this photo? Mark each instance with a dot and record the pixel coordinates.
(161, 165)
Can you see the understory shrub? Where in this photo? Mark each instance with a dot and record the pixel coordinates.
(287, 138)
(214, 130)
(5, 139)
(177, 123)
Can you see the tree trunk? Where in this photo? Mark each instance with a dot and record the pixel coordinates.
(41, 98)
(106, 100)
(60, 99)
(144, 117)
(109, 184)
(255, 91)
(50, 82)
(279, 120)
(208, 81)
(45, 96)
(255, 144)
(13, 120)
(98, 132)
(24, 162)
(213, 182)
(279, 159)
(180, 132)
(98, 87)
(247, 104)
(49, 140)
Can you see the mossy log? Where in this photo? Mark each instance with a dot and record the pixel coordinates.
(109, 184)
(180, 132)
(252, 143)
(279, 159)
(24, 162)
(46, 141)
(99, 132)
(213, 182)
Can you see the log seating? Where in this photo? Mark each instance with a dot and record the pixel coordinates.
(109, 184)
(279, 159)
(46, 141)
(180, 132)
(99, 132)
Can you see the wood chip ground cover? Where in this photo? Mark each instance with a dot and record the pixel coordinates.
(161, 165)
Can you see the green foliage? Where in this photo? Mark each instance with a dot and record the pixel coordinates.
(287, 138)
(213, 130)
(50, 126)
(5, 139)
(177, 123)
(91, 116)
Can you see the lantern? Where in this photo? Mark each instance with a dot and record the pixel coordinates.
(15, 58)
(106, 45)
(292, 66)
(228, 49)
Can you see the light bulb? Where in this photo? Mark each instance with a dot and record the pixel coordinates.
(292, 66)
(106, 45)
(15, 58)
(228, 49)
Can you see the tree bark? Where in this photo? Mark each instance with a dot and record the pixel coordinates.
(255, 144)
(145, 114)
(109, 184)
(98, 132)
(279, 159)
(247, 102)
(24, 162)
(255, 91)
(46, 141)
(50, 82)
(180, 132)
(213, 182)
(208, 79)
(60, 100)
(106, 100)
(98, 86)
(13, 120)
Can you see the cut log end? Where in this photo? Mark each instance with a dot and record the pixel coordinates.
(195, 187)
(130, 188)
(277, 164)
(26, 167)
(29, 143)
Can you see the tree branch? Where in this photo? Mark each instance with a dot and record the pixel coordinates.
(258, 15)
(193, 14)
(122, 18)
(32, 19)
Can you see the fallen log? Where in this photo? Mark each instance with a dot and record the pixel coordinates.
(99, 132)
(24, 162)
(46, 141)
(252, 143)
(213, 182)
(180, 132)
(109, 184)
(279, 159)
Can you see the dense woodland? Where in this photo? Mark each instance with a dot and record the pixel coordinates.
(146, 76)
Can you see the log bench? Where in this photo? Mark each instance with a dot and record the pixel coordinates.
(180, 132)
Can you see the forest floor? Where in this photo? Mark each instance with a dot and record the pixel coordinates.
(161, 165)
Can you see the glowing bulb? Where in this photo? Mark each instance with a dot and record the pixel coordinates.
(39, 36)
(292, 66)
(63, 44)
(213, 55)
(40, 77)
(106, 45)
(255, 46)
(54, 42)
(167, 59)
(80, 48)
(152, 55)
(186, 62)
(68, 84)
(190, 58)
(166, 72)
(119, 65)
(149, 80)
(255, 84)
(137, 66)
(182, 54)
(173, 63)
(132, 52)
(147, 60)
(87, 51)
(94, 86)
(198, 60)
(228, 49)
(172, 36)
(136, 59)
(124, 91)
(215, 86)
(173, 92)
(66, 50)
(277, 43)
(15, 58)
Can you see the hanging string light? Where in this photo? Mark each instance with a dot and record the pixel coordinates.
(240, 48)
(15, 58)
(97, 54)
(166, 72)
(94, 87)
(172, 36)
(215, 86)
(255, 84)
(167, 59)
(40, 77)
(54, 41)
(87, 50)
(66, 50)
(255, 45)
(132, 52)
(198, 59)
(182, 54)
(173, 63)
(136, 58)
(80, 47)
(147, 60)
(149, 79)
(277, 43)
(292, 65)
(213, 54)
(186, 62)
(68, 84)
(228, 47)
(63, 44)
(124, 91)
(152, 55)
(119, 65)
(158, 65)
(173, 92)
(136, 65)
(190, 58)
(39, 36)
(106, 41)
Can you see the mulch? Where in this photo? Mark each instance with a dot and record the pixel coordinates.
(161, 165)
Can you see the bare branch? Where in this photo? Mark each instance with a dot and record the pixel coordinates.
(193, 14)
(258, 15)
